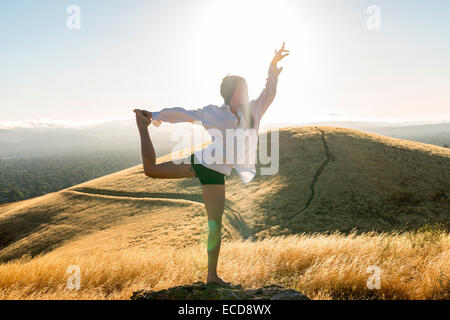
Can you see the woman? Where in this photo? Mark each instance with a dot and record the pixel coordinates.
(236, 113)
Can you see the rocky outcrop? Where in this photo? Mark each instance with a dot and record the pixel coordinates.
(202, 291)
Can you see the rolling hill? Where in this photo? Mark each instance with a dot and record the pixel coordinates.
(330, 179)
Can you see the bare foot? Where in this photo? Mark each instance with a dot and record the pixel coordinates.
(142, 121)
(219, 281)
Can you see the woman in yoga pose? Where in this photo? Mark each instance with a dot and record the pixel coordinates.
(236, 113)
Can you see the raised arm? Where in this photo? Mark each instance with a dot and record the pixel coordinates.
(265, 99)
(178, 114)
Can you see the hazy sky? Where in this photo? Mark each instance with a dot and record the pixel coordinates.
(167, 53)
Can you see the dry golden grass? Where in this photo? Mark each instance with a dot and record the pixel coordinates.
(414, 266)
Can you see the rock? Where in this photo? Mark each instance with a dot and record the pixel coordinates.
(202, 291)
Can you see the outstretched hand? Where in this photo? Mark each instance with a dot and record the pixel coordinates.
(278, 57)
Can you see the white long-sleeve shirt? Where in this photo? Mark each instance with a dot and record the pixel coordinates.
(243, 159)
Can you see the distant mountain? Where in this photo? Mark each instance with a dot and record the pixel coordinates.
(113, 135)
(44, 140)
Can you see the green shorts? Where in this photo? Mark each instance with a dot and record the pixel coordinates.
(207, 175)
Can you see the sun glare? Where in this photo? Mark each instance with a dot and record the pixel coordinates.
(240, 37)
(240, 34)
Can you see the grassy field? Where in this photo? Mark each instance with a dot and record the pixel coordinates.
(342, 201)
(414, 265)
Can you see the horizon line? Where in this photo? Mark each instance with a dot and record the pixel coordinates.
(44, 122)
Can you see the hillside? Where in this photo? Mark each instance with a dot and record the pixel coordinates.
(330, 180)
